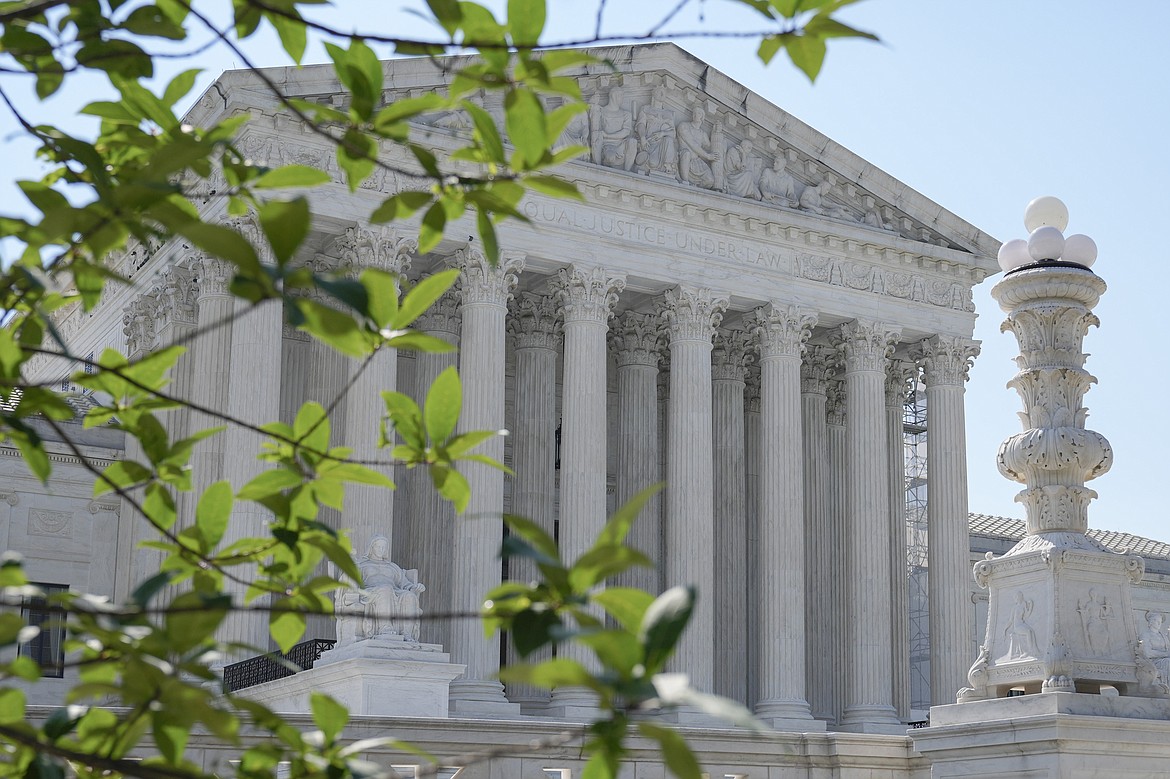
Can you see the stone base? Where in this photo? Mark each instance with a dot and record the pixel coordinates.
(788, 716)
(572, 704)
(414, 683)
(1048, 735)
(481, 698)
(874, 720)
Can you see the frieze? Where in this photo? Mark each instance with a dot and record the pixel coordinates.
(42, 522)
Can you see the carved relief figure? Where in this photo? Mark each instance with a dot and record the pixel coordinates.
(778, 186)
(576, 132)
(658, 146)
(742, 169)
(612, 140)
(1155, 645)
(1020, 636)
(813, 200)
(388, 601)
(699, 158)
(1096, 613)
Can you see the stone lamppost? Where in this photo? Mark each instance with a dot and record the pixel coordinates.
(1060, 617)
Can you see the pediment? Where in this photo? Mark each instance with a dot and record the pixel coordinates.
(657, 114)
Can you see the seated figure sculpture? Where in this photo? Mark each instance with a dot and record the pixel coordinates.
(387, 604)
(1155, 645)
(613, 142)
(777, 185)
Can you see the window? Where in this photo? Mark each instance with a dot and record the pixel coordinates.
(47, 648)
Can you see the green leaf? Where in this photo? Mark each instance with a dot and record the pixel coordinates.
(291, 176)
(807, 53)
(286, 627)
(559, 672)
(381, 295)
(406, 418)
(627, 605)
(213, 512)
(447, 13)
(422, 296)
(269, 483)
(400, 206)
(824, 26)
(451, 485)
(120, 474)
(618, 527)
(192, 618)
(550, 185)
(294, 35)
(444, 400)
(533, 629)
(285, 224)
(663, 624)
(12, 703)
(420, 342)
(333, 327)
(311, 427)
(525, 122)
(535, 535)
(146, 591)
(675, 750)
(526, 20)
(430, 232)
(485, 128)
(770, 45)
(179, 86)
(329, 715)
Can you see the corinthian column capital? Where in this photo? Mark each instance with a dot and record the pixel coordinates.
(385, 248)
(588, 294)
(731, 355)
(898, 381)
(636, 339)
(534, 321)
(945, 359)
(215, 276)
(486, 283)
(782, 331)
(444, 314)
(693, 313)
(138, 324)
(866, 345)
(820, 362)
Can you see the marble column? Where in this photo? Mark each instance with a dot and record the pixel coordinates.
(479, 532)
(425, 533)
(663, 462)
(869, 701)
(781, 332)
(752, 455)
(692, 314)
(212, 352)
(836, 539)
(729, 367)
(636, 340)
(138, 326)
(535, 328)
(945, 362)
(254, 396)
(898, 375)
(587, 296)
(823, 547)
(369, 510)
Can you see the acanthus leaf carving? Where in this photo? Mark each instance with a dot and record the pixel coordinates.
(636, 339)
(693, 313)
(781, 331)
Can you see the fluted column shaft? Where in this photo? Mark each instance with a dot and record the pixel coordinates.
(369, 510)
(536, 336)
(731, 549)
(869, 700)
(898, 374)
(479, 531)
(820, 550)
(253, 396)
(752, 454)
(213, 362)
(636, 342)
(692, 315)
(782, 332)
(837, 541)
(945, 361)
(425, 535)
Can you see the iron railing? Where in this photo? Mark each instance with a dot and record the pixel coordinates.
(273, 666)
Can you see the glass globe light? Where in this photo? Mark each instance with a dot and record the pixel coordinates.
(1046, 211)
(1080, 249)
(1013, 254)
(1045, 243)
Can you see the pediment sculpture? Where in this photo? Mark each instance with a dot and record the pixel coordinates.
(387, 603)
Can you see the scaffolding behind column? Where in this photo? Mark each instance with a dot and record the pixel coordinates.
(915, 435)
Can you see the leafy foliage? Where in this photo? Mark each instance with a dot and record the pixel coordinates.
(144, 666)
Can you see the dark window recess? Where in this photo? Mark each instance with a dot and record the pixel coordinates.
(47, 648)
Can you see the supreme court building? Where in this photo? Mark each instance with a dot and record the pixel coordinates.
(740, 308)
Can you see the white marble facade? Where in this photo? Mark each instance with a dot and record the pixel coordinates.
(728, 310)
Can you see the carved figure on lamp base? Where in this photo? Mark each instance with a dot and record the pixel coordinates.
(387, 605)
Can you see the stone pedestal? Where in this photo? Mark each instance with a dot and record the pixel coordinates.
(386, 677)
(1056, 735)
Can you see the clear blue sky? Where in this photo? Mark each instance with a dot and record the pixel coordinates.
(979, 105)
